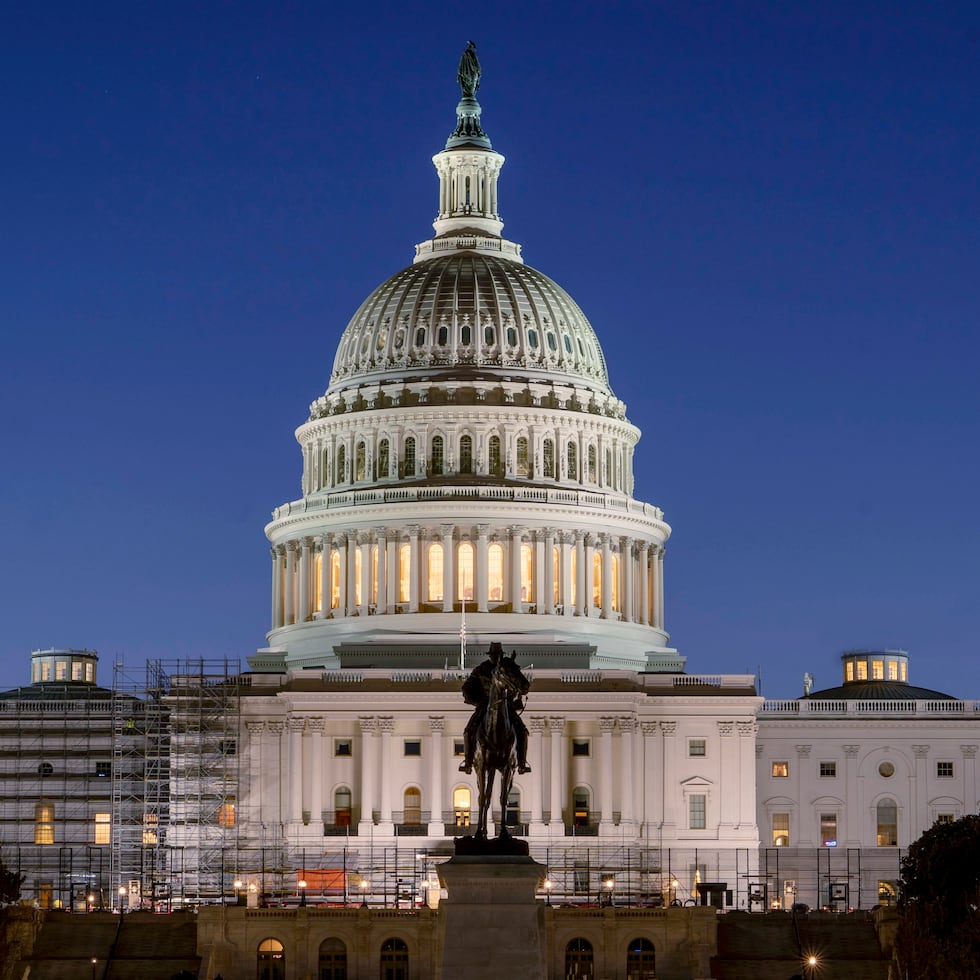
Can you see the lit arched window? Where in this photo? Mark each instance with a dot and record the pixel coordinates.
(404, 572)
(409, 464)
(461, 806)
(342, 807)
(412, 806)
(271, 960)
(394, 959)
(572, 455)
(641, 960)
(493, 456)
(341, 464)
(466, 454)
(434, 593)
(597, 579)
(527, 573)
(464, 572)
(438, 456)
(360, 466)
(523, 463)
(614, 581)
(548, 459)
(495, 572)
(383, 457)
(44, 823)
(887, 823)
(333, 959)
(334, 579)
(357, 575)
(556, 572)
(579, 959)
(592, 473)
(317, 581)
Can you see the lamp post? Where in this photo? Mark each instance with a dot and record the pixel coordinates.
(91, 901)
(238, 884)
(364, 887)
(548, 885)
(608, 883)
(94, 962)
(301, 885)
(122, 899)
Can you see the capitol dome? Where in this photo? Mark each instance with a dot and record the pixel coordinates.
(469, 463)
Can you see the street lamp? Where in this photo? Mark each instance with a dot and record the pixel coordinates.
(91, 901)
(122, 898)
(94, 961)
(810, 966)
(548, 885)
(364, 886)
(301, 885)
(238, 885)
(608, 883)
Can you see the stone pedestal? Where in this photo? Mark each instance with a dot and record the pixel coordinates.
(494, 926)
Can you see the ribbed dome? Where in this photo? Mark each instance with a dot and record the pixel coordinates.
(470, 314)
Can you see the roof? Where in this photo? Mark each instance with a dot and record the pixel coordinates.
(877, 691)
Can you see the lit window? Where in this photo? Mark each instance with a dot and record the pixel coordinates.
(892, 670)
(548, 456)
(849, 671)
(555, 573)
(581, 746)
(357, 575)
(404, 572)
(697, 811)
(342, 747)
(887, 823)
(697, 747)
(828, 769)
(374, 574)
(580, 806)
(597, 579)
(495, 572)
(945, 817)
(527, 573)
(493, 456)
(76, 670)
(780, 769)
(438, 456)
(150, 823)
(592, 469)
(435, 573)
(226, 812)
(317, 580)
(877, 670)
(461, 806)
(60, 670)
(780, 829)
(102, 828)
(334, 579)
(862, 670)
(413, 747)
(828, 829)
(903, 668)
(90, 672)
(409, 464)
(412, 806)
(574, 576)
(614, 581)
(45, 671)
(44, 823)
(523, 463)
(466, 454)
(944, 770)
(464, 572)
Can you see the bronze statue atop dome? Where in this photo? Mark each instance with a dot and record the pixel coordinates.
(469, 71)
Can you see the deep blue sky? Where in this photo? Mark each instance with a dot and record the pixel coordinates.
(769, 212)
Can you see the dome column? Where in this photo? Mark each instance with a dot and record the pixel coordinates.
(565, 571)
(351, 598)
(588, 569)
(659, 566)
(607, 568)
(413, 575)
(644, 583)
(381, 573)
(290, 600)
(515, 568)
(340, 542)
(481, 567)
(627, 571)
(364, 544)
(304, 580)
(581, 603)
(448, 565)
(325, 571)
(276, 588)
(391, 543)
(549, 572)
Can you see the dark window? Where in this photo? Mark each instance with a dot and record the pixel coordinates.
(410, 456)
(342, 746)
(549, 459)
(333, 960)
(442, 336)
(466, 454)
(466, 335)
(458, 747)
(580, 746)
(437, 456)
(828, 769)
(944, 770)
(494, 455)
(103, 769)
(228, 746)
(45, 769)
(697, 747)
(383, 458)
(488, 335)
(413, 747)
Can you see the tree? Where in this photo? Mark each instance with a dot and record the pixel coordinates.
(939, 902)
(10, 883)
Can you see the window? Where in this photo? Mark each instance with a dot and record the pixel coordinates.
(434, 593)
(549, 458)
(60, 670)
(464, 571)
(420, 337)
(384, 453)
(45, 671)
(592, 470)
(360, 464)
(442, 334)
(828, 770)
(438, 456)
(102, 828)
(780, 829)
(489, 336)
(597, 580)
(887, 823)
(271, 960)
(697, 747)
(342, 807)
(580, 806)
(334, 579)
(527, 573)
(887, 892)
(461, 805)
(404, 572)
(572, 461)
(614, 581)
(357, 576)
(44, 823)
(523, 463)
(945, 817)
(849, 671)
(944, 770)
(580, 878)
(412, 806)
(862, 670)
(641, 961)
(413, 746)
(697, 811)
(90, 672)
(581, 746)
(103, 769)
(511, 337)
(76, 670)
(150, 823)
(892, 670)
(579, 959)
(493, 456)
(903, 668)
(226, 812)
(341, 464)
(878, 670)
(317, 581)
(780, 769)
(828, 829)
(495, 572)
(409, 464)
(512, 817)
(342, 747)
(333, 959)
(459, 748)
(466, 454)
(394, 958)
(45, 769)
(555, 574)
(373, 591)
(228, 746)
(532, 339)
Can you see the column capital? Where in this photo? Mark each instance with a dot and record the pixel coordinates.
(627, 723)
(920, 751)
(447, 530)
(308, 542)
(746, 728)
(803, 751)
(668, 727)
(851, 751)
(255, 727)
(969, 751)
(606, 725)
(315, 725)
(296, 724)
(649, 727)
(726, 728)
(386, 724)
(482, 530)
(536, 723)
(413, 530)
(557, 724)
(275, 727)
(368, 723)
(437, 723)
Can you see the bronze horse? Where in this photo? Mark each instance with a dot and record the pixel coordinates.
(495, 741)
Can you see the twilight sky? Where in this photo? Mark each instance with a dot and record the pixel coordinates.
(769, 212)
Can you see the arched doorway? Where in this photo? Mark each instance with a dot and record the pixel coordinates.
(641, 960)
(271, 960)
(333, 959)
(579, 959)
(412, 807)
(887, 823)
(394, 959)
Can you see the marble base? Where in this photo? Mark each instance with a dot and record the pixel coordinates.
(494, 925)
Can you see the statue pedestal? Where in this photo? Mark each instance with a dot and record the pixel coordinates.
(493, 924)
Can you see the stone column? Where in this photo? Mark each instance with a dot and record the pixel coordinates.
(364, 544)
(351, 602)
(567, 539)
(305, 567)
(254, 813)
(660, 587)
(653, 800)
(324, 576)
(805, 833)
(448, 566)
(728, 778)
(274, 752)
(627, 807)
(644, 583)
(555, 819)
(747, 774)
(295, 779)
(315, 726)
(437, 826)
(276, 618)
(413, 587)
(581, 596)
(380, 542)
(480, 584)
(853, 804)
(671, 790)
(536, 725)
(341, 544)
(969, 779)
(515, 568)
(386, 725)
(918, 821)
(587, 602)
(393, 570)
(606, 825)
(290, 599)
(627, 572)
(549, 573)
(369, 773)
(537, 593)
(606, 592)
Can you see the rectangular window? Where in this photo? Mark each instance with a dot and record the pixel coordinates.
(828, 770)
(697, 747)
(226, 812)
(697, 811)
(150, 823)
(878, 670)
(342, 746)
(849, 671)
(60, 670)
(780, 830)
(44, 823)
(103, 769)
(228, 746)
(76, 670)
(45, 671)
(862, 670)
(413, 747)
(90, 672)
(780, 769)
(459, 747)
(892, 670)
(580, 879)
(581, 746)
(828, 829)
(945, 817)
(944, 770)
(102, 828)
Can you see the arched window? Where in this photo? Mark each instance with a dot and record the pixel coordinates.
(325, 469)
(580, 806)
(592, 472)
(493, 456)
(360, 456)
(461, 806)
(442, 335)
(409, 464)
(342, 806)
(548, 459)
(579, 959)
(420, 337)
(527, 573)
(412, 807)
(495, 572)
(404, 572)
(384, 452)
(271, 960)
(614, 581)
(464, 572)
(532, 339)
(572, 458)
(317, 581)
(641, 960)
(511, 337)
(489, 336)
(523, 462)
(333, 959)
(358, 599)
(341, 465)
(466, 335)
(887, 823)
(466, 454)
(438, 462)
(44, 822)
(610, 472)
(334, 579)
(434, 590)
(394, 960)
(513, 815)
(597, 580)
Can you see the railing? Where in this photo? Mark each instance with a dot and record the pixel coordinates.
(855, 708)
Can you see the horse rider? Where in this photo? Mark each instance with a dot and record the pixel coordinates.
(476, 691)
